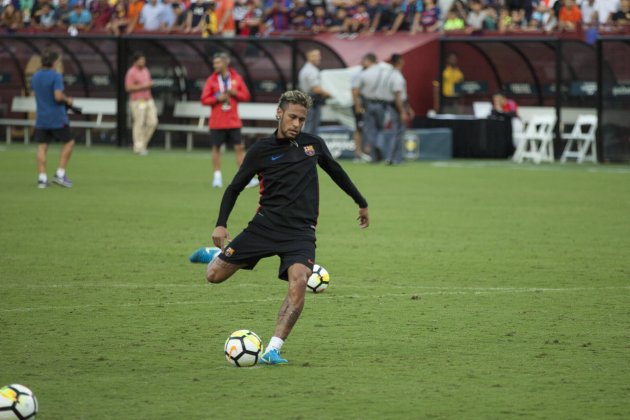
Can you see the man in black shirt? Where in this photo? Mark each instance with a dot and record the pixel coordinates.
(284, 223)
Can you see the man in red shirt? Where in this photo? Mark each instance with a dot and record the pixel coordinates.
(223, 90)
(138, 85)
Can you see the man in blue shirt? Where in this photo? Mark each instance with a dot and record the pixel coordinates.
(51, 121)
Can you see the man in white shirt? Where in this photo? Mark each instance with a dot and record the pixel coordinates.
(398, 108)
(310, 82)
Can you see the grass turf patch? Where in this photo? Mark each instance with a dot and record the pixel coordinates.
(481, 290)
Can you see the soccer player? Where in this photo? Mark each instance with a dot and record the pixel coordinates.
(51, 121)
(284, 223)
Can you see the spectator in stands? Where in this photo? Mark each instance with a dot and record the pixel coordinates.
(119, 20)
(400, 15)
(45, 17)
(517, 20)
(62, 14)
(606, 9)
(429, 20)
(590, 16)
(310, 82)
(152, 16)
(134, 10)
(545, 16)
(400, 113)
(223, 90)
(225, 18)
(277, 15)
(168, 15)
(101, 13)
(476, 16)
(570, 17)
(322, 22)
(239, 12)
(209, 24)
(490, 23)
(374, 9)
(196, 15)
(180, 17)
(622, 16)
(453, 21)
(368, 99)
(26, 9)
(11, 19)
(252, 24)
(80, 18)
(301, 16)
(51, 121)
(360, 21)
(138, 84)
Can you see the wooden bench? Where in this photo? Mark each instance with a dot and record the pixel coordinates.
(97, 107)
(250, 112)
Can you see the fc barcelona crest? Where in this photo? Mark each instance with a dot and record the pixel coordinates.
(309, 150)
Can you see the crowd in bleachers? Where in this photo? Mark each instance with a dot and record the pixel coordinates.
(347, 18)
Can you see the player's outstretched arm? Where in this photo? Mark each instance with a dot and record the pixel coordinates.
(364, 218)
(219, 236)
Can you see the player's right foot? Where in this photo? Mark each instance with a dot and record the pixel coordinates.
(217, 182)
(62, 181)
(43, 184)
(272, 357)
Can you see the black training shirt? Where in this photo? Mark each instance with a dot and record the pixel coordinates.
(289, 188)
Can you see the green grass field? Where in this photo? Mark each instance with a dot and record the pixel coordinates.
(481, 290)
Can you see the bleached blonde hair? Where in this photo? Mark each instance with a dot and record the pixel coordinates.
(295, 97)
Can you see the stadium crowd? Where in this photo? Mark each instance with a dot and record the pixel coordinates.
(347, 18)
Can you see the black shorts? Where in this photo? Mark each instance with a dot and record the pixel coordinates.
(229, 136)
(49, 135)
(248, 248)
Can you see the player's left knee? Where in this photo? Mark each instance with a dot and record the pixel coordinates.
(213, 276)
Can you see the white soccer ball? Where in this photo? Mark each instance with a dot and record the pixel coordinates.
(17, 402)
(243, 348)
(319, 280)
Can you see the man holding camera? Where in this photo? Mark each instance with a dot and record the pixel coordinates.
(51, 121)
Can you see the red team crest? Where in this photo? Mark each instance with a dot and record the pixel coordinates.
(309, 150)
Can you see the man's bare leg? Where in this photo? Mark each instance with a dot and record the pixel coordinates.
(66, 152)
(239, 152)
(294, 302)
(218, 270)
(289, 313)
(42, 148)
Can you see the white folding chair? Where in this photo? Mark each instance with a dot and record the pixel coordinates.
(583, 135)
(536, 141)
(482, 109)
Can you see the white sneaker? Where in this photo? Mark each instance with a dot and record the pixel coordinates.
(217, 182)
(253, 183)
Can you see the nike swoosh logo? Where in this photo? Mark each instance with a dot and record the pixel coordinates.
(277, 157)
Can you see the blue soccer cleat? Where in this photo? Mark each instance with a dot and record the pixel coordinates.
(204, 255)
(62, 181)
(272, 357)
